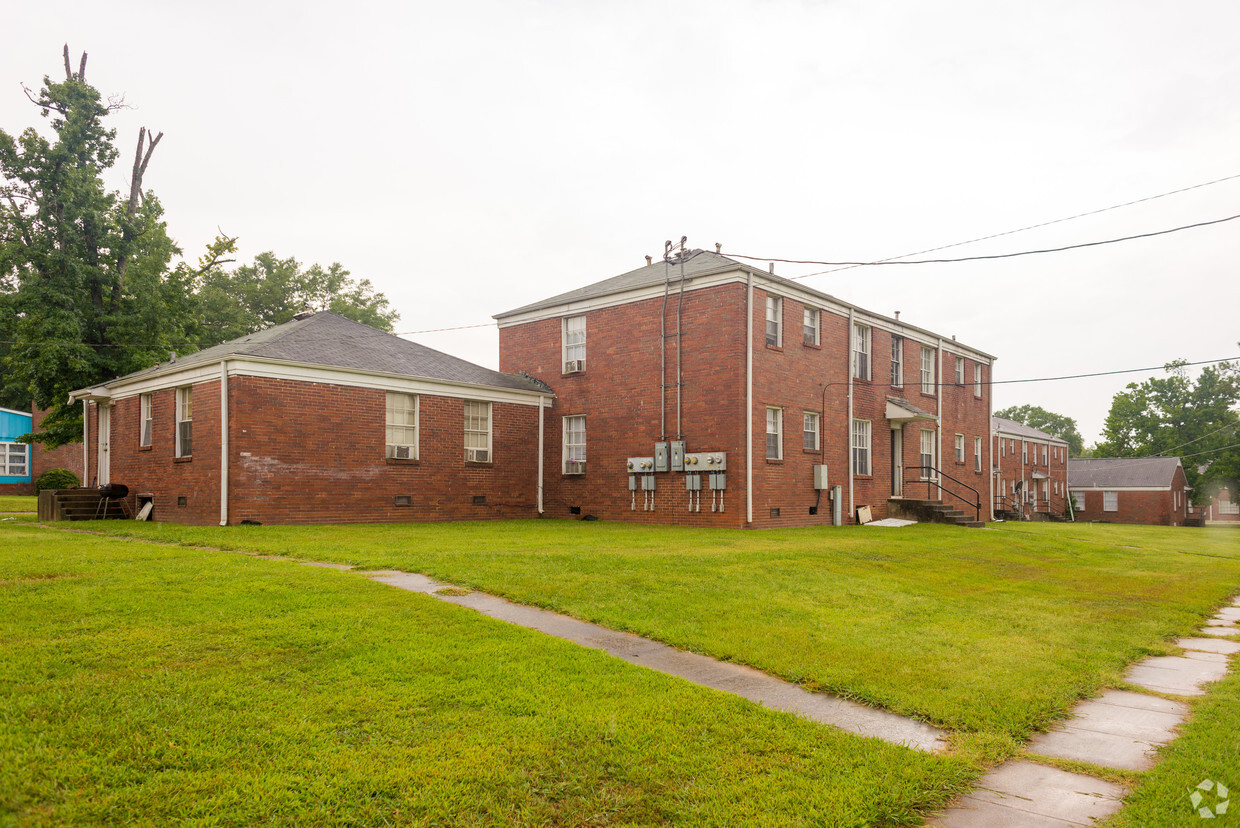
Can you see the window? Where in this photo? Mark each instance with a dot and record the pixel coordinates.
(1024, 452)
(959, 448)
(1002, 447)
(575, 444)
(774, 433)
(977, 379)
(977, 454)
(861, 447)
(810, 431)
(1226, 507)
(402, 426)
(1110, 501)
(185, 422)
(927, 454)
(927, 370)
(960, 370)
(478, 431)
(861, 352)
(145, 423)
(810, 327)
(13, 461)
(897, 361)
(1078, 501)
(1044, 463)
(774, 321)
(574, 339)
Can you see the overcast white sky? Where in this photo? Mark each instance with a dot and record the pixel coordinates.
(469, 158)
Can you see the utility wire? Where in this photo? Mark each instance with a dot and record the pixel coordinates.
(981, 258)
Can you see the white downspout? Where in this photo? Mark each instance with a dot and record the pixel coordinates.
(749, 402)
(938, 415)
(852, 318)
(990, 442)
(223, 442)
(540, 454)
(85, 443)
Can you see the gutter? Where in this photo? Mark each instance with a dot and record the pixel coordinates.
(749, 403)
(223, 442)
(848, 357)
(541, 449)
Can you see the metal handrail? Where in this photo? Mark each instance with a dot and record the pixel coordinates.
(930, 481)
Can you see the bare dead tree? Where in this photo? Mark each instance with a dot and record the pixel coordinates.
(130, 231)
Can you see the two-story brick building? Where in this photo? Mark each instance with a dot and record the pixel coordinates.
(1031, 471)
(701, 390)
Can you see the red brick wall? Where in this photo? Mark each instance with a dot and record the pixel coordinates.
(1013, 468)
(619, 394)
(303, 452)
(1156, 508)
(1213, 513)
(68, 456)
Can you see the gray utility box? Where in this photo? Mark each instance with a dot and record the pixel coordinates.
(706, 461)
(641, 464)
(678, 455)
(820, 477)
(662, 461)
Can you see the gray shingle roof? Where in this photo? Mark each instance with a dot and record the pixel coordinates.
(1021, 430)
(331, 340)
(1120, 472)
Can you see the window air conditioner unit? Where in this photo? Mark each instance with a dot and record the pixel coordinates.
(575, 467)
(400, 452)
(478, 455)
(574, 366)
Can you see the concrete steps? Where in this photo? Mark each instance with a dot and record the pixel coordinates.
(78, 504)
(931, 511)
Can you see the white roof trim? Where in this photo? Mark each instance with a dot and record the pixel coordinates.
(1079, 488)
(15, 411)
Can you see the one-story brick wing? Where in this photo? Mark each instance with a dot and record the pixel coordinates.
(1148, 490)
(319, 420)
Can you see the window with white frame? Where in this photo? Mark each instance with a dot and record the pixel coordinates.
(1078, 501)
(146, 423)
(960, 370)
(861, 447)
(402, 426)
(1044, 463)
(185, 422)
(810, 327)
(1024, 452)
(928, 381)
(927, 454)
(575, 444)
(897, 361)
(478, 431)
(977, 379)
(810, 431)
(977, 454)
(959, 448)
(573, 337)
(1226, 507)
(774, 321)
(774, 433)
(1110, 501)
(861, 351)
(14, 460)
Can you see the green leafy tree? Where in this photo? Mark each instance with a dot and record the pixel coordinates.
(87, 290)
(233, 303)
(1059, 425)
(1175, 415)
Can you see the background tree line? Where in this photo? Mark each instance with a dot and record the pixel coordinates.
(92, 285)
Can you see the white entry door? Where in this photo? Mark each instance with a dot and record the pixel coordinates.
(103, 471)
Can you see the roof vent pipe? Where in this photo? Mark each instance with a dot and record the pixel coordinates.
(897, 316)
(771, 268)
(649, 260)
(718, 247)
(172, 356)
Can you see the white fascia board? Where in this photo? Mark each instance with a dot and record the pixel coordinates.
(1096, 488)
(731, 275)
(351, 377)
(15, 411)
(1012, 435)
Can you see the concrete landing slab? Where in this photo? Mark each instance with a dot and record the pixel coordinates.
(341, 567)
(1028, 795)
(1116, 730)
(742, 681)
(1209, 645)
(1232, 612)
(1178, 675)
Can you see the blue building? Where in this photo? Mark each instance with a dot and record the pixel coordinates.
(14, 456)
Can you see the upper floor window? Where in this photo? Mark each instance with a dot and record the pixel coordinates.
(185, 422)
(402, 426)
(774, 433)
(960, 370)
(810, 431)
(977, 454)
(774, 321)
(928, 382)
(810, 327)
(478, 431)
(861, 352)
(897, 361)
(977, 379)
(575, 444)
(574, 344)
(145, 421)
(1044, 463)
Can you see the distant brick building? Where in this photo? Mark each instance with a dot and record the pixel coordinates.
(1031, 471)
(700, 390)
(1223, 508)
(1147, 490)
(319, 420)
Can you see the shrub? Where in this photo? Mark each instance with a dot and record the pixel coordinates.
(56, 479)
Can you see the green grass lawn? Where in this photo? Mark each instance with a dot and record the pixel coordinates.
(992, 633)
(154, 684)
(19, 503)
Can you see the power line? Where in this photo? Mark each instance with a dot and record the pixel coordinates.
(1106, 373)
(981, 258)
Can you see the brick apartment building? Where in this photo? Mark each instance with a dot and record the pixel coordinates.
(1223, 509)
(1031, 471)
(700, 390)
(319, 420)
(1149, 490)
